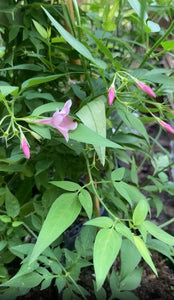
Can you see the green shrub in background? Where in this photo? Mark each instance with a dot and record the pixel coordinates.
(75, 97)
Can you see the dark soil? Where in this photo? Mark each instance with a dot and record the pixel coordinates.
(157, 288)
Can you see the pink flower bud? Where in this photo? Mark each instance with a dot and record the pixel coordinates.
(25, 148)
(166, 126)
(145, 88)
(111, 95)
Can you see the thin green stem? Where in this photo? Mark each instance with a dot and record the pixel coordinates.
(29, 230)
(158, 42)
(167, 223)
(95, 190)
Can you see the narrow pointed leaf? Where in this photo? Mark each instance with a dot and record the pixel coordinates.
(159, 233)
(40, 29)
(104, 222)
(144, 252)
(67, 185)
(76, 44)
(38, 80)
(140, 212)
(86, 202)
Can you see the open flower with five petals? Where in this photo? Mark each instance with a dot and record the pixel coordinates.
(61, 121)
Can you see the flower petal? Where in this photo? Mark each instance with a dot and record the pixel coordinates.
(66, 109)
(44, 121)
(166, 126)
(68, 123)
(145, 88)
(57, 118)
(25, 148)
(111, 95)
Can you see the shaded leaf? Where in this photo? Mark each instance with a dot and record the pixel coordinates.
(66, 185)
(86, 202)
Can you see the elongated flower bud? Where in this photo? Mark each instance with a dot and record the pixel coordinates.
(145, 88)
(111, 95)
(166, 126)
(25, 148)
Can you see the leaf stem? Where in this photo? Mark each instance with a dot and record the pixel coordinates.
(158, 42)
(167, 223)
(95, 190)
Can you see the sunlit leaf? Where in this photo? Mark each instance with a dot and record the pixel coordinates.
(61, 215)
(106, 247)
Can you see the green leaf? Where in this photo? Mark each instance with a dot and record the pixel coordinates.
(124, 230)
(100, 44)
(104, 222)
(160, 247)
(158, 204)
(11, 204)
(67, 185)
(118, 174)
(93, 116)
(40, 29)
(43, 131)
(7, 89)
(5, 219)
(86, 202)
(144, 252)
(154, 27)
(140, 212)
(25, 281)
(123, 189)
(125, 295)
(60, 283)
(128, 261)
(114, 283)
(168, 45)
(61, 215)
(77, 45)
(159, 233)
(3, 244)
(47, 107)
(135, 4)
(106, 247)
(38, 80)
(134, 175)
(109, 26)
(132, 121)
(132, 280)
(30, 67)
(86, 135)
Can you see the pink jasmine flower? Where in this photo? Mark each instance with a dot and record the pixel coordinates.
(145, 88)
(61, 121)
(111, 95)
(25, 147)
(166, 126)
